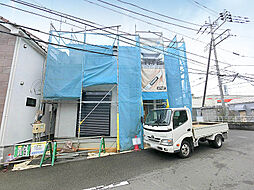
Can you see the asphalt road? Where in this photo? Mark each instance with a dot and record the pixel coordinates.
(230, 167)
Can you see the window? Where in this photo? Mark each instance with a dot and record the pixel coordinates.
(243, 117)
(158, 117)
(179, 118)
(31, 102)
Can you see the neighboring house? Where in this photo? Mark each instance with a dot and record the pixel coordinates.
(212, 111)
(243, 109)
(21, 70)
(207, 113)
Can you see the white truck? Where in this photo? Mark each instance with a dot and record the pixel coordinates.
(171, 130)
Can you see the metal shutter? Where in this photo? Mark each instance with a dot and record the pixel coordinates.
(98, 122)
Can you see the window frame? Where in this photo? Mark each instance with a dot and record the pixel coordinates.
(175, 127)
(29, 100)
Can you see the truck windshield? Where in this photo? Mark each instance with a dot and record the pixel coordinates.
(158, 117)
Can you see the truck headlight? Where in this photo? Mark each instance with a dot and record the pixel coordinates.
(167, 142)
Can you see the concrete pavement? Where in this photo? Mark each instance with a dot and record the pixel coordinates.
(231, 167)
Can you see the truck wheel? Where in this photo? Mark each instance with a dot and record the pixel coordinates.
(185, 150)
(217, 142)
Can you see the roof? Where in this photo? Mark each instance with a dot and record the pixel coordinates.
(242, 100)
(215, 100)
(29, 34)
(197, 102)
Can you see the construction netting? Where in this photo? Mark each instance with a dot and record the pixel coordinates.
(71, 67)
(179, 92)
(77, 65)
(130, 96)
(99, 68)
(186, 89)
(63, 76)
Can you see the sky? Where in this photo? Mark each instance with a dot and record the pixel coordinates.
(241, 41)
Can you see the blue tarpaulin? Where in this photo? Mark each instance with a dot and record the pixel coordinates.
(65, 73)
(173, 76)
(154, 95)
(130, 96)
(63, 76)
(177, 76)
(186, 89)
(68, 69)
(98, 68)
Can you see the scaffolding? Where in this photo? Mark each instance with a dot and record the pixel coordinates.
(77, 63)
(80, 64)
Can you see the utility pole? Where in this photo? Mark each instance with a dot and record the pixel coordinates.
(219, 79)
(212, 45)
(224, 16)
(208, 66)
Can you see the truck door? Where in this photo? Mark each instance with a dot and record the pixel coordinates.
(181, 125)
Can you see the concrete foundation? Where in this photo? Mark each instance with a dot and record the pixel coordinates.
(242, 125)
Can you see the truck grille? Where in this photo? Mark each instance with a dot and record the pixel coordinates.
(153, 139)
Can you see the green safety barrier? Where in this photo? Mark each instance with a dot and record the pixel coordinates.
(102, 146)
(52, 152)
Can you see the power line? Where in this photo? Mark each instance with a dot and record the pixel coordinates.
(201, 72)
(198, 55)
(70, 17)
(135, 42)
(86, 20)
(152, 18)
(156, 26)
(50, 43)
(201, 82)
(158, 14)
(238, 84)
(225, 16)
(176, 19)
(205, 8)
(144, 21)
(37, 14)
(86, 50)
(106, 31)
(211, 11)
(22, 26)
(36, 30)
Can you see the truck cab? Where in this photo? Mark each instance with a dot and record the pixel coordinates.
(171, 130)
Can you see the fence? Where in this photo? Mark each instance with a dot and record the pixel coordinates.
(213, 118)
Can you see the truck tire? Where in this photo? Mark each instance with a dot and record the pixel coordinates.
(185, 150)
(217, 142)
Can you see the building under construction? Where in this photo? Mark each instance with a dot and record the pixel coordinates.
(103, 87)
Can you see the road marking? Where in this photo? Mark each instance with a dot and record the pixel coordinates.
(242, 137)
(113, 185)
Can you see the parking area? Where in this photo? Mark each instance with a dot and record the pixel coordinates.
(230, 167)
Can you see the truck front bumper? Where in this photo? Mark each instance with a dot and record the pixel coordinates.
(157, 146)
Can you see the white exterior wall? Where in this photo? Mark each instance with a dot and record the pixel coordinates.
(67, 115)
(27, 66)
(66, 120)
